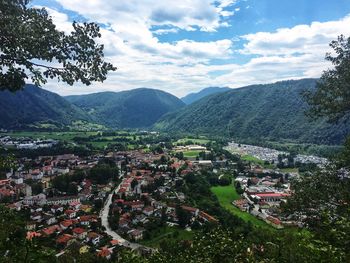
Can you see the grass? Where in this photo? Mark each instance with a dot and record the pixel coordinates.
(255, 160)
(290, 170)
(195, 141)
(165, 233)
(191, 153)
(226, 195)
(67, 136)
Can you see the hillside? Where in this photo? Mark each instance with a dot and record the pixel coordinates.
(193, 97)
(271, 112)
(34, 106)
(127, 109)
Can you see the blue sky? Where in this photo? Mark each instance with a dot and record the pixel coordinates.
(186, 45)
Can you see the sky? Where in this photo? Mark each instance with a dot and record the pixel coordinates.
(184, 46)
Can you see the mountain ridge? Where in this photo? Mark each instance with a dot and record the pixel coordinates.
(268, 111)
(195, 96)
(32, 105)
(136, 108)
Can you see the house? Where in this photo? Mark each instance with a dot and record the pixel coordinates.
(39, 199)
(208, 218)
(148, 210)
(93, 237)
(66, 223)
(36, 216)
(87, 219)
(51, 230)
(75, 205)
(49, 219)
(135, 205)
(70, 213)
(104, 253)
(57, 208)
(79, 232)
(65, 240)
(271, 197)
(114, 242)
(135, 234)
(62, 200)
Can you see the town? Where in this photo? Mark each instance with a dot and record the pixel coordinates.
(113, 199)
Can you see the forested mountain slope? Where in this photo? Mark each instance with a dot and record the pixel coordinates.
(271, 111)
(32, 105)
(128, 109)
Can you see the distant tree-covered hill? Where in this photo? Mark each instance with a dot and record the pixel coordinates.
(192, 97)
(127, 109)
(32, 105)
(258, 112)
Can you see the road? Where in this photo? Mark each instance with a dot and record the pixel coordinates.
(104, 221)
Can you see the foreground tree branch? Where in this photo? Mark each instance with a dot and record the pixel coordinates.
(28, 38)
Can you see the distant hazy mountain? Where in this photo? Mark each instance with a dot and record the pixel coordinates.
(192, 97)
(32, 105)
(127, 109)
(260, 112)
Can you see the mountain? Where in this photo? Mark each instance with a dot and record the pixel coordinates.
(33, 105)
(258, 112)
(127, 109)
(192, 97)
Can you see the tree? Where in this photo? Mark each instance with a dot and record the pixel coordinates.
(324, 197)
(183, 216)
(32, 47)
(332, 96)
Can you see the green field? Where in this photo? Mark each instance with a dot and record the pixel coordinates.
(226, 195)
(289, 170)
(165, 233)
(255, 160)
(191, 153)
(66, 136)
(195, 141)
(100, 142)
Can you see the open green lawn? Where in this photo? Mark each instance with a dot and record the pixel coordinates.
(167, 233)
(227, 194)
(255, 160)
(191, 153)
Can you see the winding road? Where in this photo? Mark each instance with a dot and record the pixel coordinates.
(104, 221)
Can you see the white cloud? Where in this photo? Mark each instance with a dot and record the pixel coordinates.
(300, 39)
(180, 67)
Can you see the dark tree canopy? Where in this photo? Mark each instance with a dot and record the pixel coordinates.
(332, 96)
(33, 48)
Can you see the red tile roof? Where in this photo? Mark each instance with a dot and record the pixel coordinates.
(63, 239)
(78, 230)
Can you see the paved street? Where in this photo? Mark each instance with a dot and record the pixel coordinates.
(109, 231)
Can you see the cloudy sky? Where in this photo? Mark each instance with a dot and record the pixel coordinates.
(183, 46)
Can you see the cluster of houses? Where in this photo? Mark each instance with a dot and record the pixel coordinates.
(148, 194)
(263, 192)
(60, 218)
(41, 170)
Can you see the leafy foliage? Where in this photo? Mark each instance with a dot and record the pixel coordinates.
(332, 96)
(32, 104)
(259, 112)
(128, 109)
(31, 44)
(193, 97)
